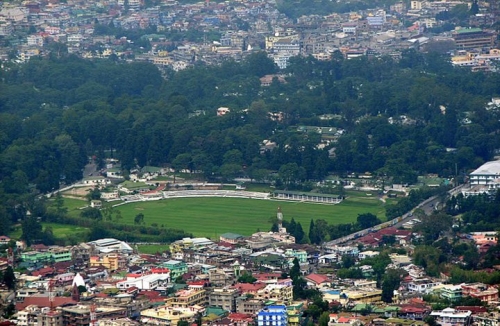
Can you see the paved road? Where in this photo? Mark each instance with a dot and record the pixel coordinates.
(90, 169)
(427, 206)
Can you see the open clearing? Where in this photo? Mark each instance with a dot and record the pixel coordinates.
(211, 217)
(62, 232)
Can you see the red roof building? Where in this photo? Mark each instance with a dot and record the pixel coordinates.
(43, 302)
(318, 279)
(249, 288)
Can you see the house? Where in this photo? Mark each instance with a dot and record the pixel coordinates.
(96, 204)
(187, 298)
(368, 254)
(222, 111)
(481, 291)
(452, 317)
(232, 238)
(422, 285)
(4, 240)
(318, 280)
(177, 268)
(96, 181)
(165, 315)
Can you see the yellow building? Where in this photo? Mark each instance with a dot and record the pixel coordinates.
(167, 315)
(110, 261)
(294, 313)
(187, 298)
(276, 292)
(367, 295)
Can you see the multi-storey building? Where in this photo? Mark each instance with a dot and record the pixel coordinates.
(245, 305)
(469, 38)
(187, 298)
(272, 315)
(34, 316)
(224, 298)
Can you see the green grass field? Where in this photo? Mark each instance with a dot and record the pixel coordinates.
(61, 231)
(211, 217)
(152, 249)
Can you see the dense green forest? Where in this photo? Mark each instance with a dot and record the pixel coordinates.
(55, 112)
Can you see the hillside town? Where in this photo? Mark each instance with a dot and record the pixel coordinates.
(263, 279)
(232, 30)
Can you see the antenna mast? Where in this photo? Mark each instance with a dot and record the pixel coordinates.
(52, 283)
(93, 315)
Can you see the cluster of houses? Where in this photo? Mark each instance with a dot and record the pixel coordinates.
(236, 280)
(242, 28)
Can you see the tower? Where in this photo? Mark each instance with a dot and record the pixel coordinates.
(75, 293)
(93, 315)
(279, 216)
(51, 285)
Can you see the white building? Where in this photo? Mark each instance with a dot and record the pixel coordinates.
(144, 282)
(368, 254)
(485, 174)
(452, 317)
(424, 285)
(110, 245)
(34, 40)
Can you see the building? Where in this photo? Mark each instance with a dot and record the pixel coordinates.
(307, 196)
(218, 277)
(452, 317)
(273, 315)
(282, 293)
(450, 292)
(166, 315)
(60, 254)
(246, 305)
(187, 298)
(80, 314)
(144, 282)
(469, 38)
(110, 244)
(36, 257)
(224, 298)
(422, 285)
(232, 238)
(110, 262)
(222, 111)
(481, 291)
(485, 174)
(177, 268)
(34, 315)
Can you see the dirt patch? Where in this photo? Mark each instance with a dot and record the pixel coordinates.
(77, 191)
(139, 208)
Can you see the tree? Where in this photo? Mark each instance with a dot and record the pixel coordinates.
(348, 261)
(390, 282)
(324, 319)
(367, 220)
(247, 277)
(94, 194)
(295, 270)
(91, 213)
(299, 233)
(31, 230)
(9, 279)
(139, 219)
(313, 233)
